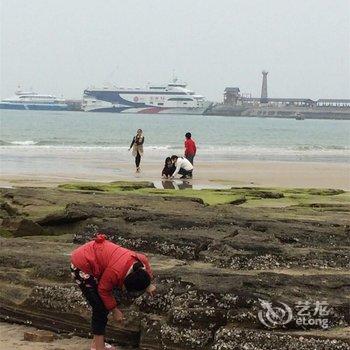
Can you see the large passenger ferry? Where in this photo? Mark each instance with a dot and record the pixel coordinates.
(34, 101)
(173, 98)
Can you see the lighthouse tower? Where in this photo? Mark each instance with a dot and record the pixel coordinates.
(263, 98)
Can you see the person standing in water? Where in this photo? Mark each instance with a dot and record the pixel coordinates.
(137, 148)
(190, 147)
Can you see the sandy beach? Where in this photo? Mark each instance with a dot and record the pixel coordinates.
(207, 174)
(12, 338)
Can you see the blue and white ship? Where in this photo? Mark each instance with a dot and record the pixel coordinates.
(173, 98)
(34, 101)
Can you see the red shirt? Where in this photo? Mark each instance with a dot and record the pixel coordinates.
(109, 263)
(190, 147)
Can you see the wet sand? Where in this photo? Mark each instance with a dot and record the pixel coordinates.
(230, 173)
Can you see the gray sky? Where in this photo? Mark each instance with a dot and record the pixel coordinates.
(63, 46)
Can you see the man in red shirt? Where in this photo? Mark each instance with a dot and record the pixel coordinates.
(190, 147)
(99, 267)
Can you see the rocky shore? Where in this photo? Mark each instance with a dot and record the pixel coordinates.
(226, 263)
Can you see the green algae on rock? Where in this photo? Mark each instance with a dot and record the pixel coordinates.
(249, 196)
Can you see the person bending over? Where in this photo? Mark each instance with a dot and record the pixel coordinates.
(100, 266)
(183, 167)
(190, 147)
(168, 169)
(137, 148)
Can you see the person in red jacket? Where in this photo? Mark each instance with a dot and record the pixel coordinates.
(190, 147)
(99, 267)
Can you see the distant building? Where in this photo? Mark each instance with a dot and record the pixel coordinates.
(231, 95)
(285, 101)
(330, 102)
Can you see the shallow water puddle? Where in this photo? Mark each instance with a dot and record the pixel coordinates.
(187, 184)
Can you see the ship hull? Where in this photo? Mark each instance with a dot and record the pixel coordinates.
(151, 110)
(35, 107)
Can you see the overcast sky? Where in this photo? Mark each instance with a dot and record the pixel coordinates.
(63, 46)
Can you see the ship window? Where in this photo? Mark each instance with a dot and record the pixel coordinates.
(180, 99)
(160, 104)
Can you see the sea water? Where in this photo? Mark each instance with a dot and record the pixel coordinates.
(29, 138)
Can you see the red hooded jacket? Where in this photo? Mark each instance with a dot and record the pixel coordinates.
(109, 263)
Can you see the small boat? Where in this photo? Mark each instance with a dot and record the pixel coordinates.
(298, 116)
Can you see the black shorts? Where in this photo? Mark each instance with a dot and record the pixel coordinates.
(88, 286)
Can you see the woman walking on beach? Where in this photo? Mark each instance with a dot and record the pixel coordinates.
(99, 267)
(137, 148)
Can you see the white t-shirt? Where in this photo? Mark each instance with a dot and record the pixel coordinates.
(182, 163)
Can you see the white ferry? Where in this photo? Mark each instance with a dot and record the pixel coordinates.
(33, 101)
(173, 98)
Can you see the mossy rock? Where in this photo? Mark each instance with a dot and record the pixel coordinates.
(238, 201)
(267, 194)
(6, 210)
(23, 227)
(325, 192)
(256, 192)
(248, 196)
(82, 187)
(183, 198)
(5, 233)
(328, 206)
(125, 185)
(108, 187)
(315, 191)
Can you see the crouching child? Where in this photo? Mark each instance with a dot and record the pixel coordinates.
(168, 169)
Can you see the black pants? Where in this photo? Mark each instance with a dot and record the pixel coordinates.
(184, 172)
(138, 159)
(190, 158)
(88, 287)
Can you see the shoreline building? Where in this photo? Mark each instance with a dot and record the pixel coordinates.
(231, 95)
(234, 97)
